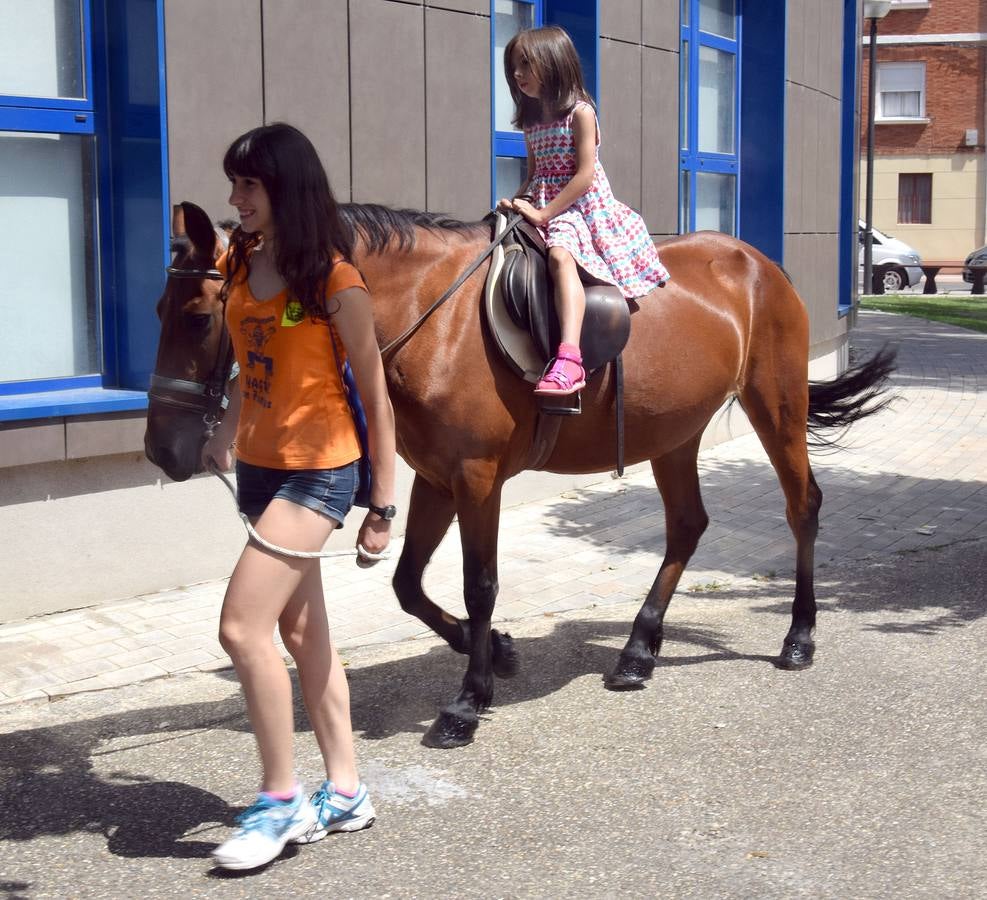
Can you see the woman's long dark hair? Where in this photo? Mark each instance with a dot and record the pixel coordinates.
(306, 218)
(555, 63)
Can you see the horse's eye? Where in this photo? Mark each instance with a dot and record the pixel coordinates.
(198, 321)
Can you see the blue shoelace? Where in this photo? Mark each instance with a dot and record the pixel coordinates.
(254, 818)
(322, 801)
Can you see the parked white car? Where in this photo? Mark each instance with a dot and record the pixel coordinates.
(888, 249)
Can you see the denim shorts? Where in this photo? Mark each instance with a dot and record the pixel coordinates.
(327, 491)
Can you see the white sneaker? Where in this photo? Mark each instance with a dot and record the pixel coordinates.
(337, 812)
(264, 830)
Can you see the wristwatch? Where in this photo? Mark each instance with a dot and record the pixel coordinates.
(385, 512)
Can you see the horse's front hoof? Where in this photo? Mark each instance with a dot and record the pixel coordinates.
(630, 674)
(505, 658)
(795, 655)
(451, 730)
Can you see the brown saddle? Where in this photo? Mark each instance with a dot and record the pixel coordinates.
(527, 291)
(521, 317)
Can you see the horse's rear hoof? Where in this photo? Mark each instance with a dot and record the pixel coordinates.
(450, 730)
(795, 655)
(630, 674)
(505, 658)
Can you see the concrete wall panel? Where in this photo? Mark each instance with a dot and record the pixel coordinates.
(660, 143)
(24, 444)
(812, 162)
(794, 116)
(457, 98)
(478, 7)
(306, 78)
(812, 39)
(621, 20)
(387, 46)
(661, 26)
(620, 119)
(795, 43)
(831, 52)
(104, 435)
(830, 115)
(215, 90)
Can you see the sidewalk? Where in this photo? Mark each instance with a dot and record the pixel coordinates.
(914, 477)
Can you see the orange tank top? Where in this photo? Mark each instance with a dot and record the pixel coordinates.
(294, 414)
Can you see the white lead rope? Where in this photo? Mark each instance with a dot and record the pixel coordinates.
(363, 554)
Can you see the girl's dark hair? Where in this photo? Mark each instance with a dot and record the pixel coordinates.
(555, 63)
(306, 217)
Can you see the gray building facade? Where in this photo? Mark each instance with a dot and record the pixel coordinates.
(733, 114)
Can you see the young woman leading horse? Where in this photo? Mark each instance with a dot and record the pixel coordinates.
(730, 325)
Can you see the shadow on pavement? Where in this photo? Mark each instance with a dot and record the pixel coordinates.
(51, 786)
(55, 782)
(867, 513)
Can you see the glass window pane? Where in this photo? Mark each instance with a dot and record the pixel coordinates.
(718, 17)
(684, 99)
(47, 256)
(685, 12)
(901, 104)
(41, 51)
(716, 199)
(684, 194)
(511, 174)
(717, 101)
(510, 17)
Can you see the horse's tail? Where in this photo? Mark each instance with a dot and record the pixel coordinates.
(859, 392)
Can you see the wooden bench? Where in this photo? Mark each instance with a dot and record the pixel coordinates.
(931, 268)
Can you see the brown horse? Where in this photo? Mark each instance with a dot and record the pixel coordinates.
(730, 325)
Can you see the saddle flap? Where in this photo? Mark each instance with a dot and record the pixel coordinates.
(525, 288)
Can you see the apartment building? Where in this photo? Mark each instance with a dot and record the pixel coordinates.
(929, 145)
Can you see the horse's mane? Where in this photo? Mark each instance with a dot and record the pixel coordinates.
(380, 226)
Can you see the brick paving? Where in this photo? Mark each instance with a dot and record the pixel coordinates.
(912, 477)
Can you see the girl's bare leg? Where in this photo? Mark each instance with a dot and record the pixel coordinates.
(305, 631)
(260, 589)
(570, 297)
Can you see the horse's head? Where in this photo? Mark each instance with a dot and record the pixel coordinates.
(186, 392)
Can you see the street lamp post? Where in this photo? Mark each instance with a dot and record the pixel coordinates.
(873, 10)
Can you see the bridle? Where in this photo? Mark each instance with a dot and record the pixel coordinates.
(208, 397)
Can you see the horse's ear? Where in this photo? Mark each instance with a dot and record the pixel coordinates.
(177, 220)
(199, 229)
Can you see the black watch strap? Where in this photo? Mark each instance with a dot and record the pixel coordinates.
(385, 512)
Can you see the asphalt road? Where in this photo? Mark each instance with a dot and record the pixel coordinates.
(861, 777)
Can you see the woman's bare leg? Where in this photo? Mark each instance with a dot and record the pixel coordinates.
(305, 631)
(260, 589)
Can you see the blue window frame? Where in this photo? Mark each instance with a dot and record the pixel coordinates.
(849, 149)
(509, 158)
(581, 18)
(709, 105)
(83, 118)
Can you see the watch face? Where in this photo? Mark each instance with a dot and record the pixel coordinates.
(385, 512)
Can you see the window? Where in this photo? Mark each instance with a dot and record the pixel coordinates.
(900, 91)
(915, 199)
(47, 195)
(581, 18)
(509, 154)
(81, 214)
(709, 92)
